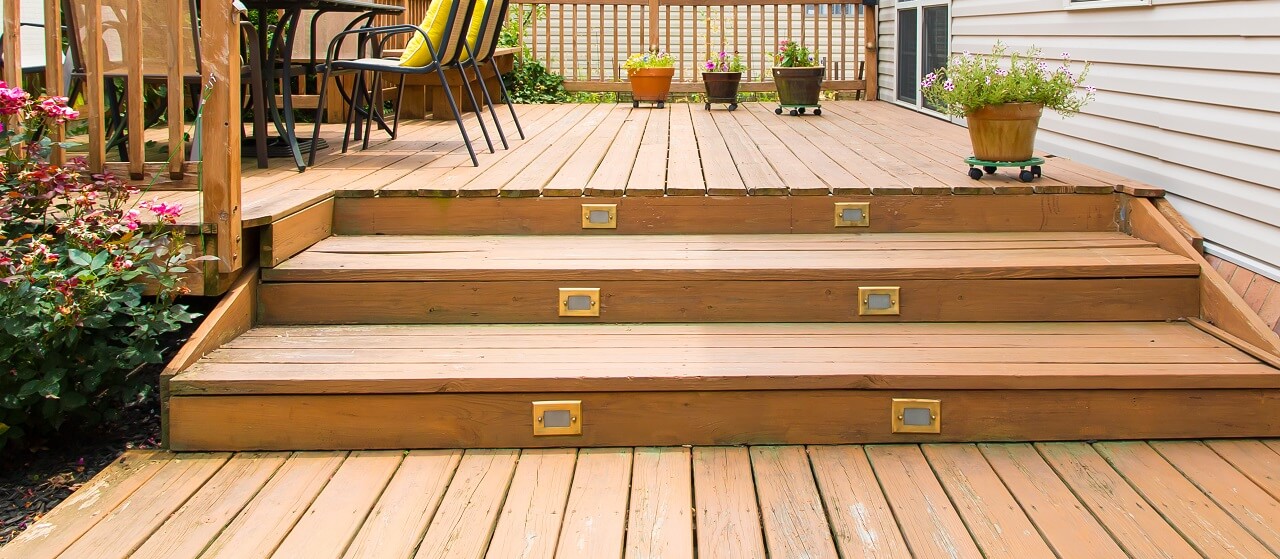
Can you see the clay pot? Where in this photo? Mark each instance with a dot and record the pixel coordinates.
(650, 84)
(722, 87)
(1005, 132)
(798, 86)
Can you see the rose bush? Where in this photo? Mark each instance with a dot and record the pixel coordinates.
(77, 323)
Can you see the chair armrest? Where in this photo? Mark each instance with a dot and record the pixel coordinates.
(381, 33)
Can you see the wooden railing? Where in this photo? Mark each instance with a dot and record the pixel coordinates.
(587, 41)
(216, 174)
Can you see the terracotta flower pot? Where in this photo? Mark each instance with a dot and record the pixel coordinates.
(650, 84)
(722, 87)
(798, 86)
(1005, 132)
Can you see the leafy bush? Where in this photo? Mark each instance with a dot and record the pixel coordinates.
(649, 59)
(75, 325)
(529, 81)
(793, 55)
(970, 82)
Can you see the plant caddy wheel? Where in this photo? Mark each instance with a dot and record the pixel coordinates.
(798, 109)
(1029, 169)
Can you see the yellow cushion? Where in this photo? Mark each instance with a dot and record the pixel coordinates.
(473, 32)
(416, 53)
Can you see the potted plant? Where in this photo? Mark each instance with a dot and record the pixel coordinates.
(798, 77)
(721, 75)
(1002, 102)
(650, 75)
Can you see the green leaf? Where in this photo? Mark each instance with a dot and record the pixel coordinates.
(100, 260)
(79, 257)
(4, 428)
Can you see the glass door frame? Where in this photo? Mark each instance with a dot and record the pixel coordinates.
(919, 6)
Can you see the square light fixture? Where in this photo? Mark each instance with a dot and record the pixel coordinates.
(579, 301)
(557, 417)
(912, 415)
(879, 301)
(853, 214)
(599, 216)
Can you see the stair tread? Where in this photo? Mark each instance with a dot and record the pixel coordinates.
(604, 357)
(729, 257)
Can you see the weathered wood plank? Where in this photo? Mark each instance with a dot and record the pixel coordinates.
(1255, 460)
(534, 509)
(328, 526)
(660, 522)
(728, 518)
(861, 521)
(790, 508)
(397, 523)
(928, 520)
(1248, 504)
(595, 516)
(466, 517)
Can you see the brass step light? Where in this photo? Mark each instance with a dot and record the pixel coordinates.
(599, 216)
(853, 214)
(557, 417)
(579, 301)
(912, 415)
(879, 301)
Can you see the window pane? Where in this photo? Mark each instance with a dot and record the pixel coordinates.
(936, 47)
(908, 76)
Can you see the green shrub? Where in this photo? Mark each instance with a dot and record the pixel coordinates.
(530, 82)
(76, 328)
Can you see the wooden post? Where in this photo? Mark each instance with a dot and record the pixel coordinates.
(653, 24)
(93, 88)
(135, 114)
(220, 131)
(53, 83)
(176, 89)
(12, 43)
(871, 69)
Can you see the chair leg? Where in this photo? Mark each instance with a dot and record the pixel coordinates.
(351, 109)
(453, 106)
(375, 104)
(395, 116)
(506, 98)
(315, 132)
(493, 113)
(471, 94)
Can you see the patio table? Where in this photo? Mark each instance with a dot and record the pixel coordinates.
(279, 55)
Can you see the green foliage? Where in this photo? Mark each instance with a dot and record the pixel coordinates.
(725, 62)
(531, 82)
(970, 82)
(794, 55)
(649, 59)
(75, 325)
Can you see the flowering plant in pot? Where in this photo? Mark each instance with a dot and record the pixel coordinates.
(1003, 100)
(650, 75)
(798, 77)
(721, 75)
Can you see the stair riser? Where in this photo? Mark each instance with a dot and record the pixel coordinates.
(711, 418)
(697, 215)
(1138, 299)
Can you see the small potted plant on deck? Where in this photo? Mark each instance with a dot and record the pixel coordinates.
(721, 75)
(1002, 96)
(650, 76)
(798, 77)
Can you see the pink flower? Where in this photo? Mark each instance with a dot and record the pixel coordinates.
(56, 109)
(166, 212)
(949, 85)
(12, 100)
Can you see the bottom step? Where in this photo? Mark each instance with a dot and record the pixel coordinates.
(356, 387)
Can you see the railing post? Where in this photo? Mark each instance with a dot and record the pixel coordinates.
(221, 129)
(175, 87)
(654, 36)
(53, 84)
(12, 42)
(134, 98)
(94, 99)
(871, 66)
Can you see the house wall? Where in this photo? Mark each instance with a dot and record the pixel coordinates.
(1260, 292)
(1187, 99)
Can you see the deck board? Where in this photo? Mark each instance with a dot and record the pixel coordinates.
(874, 507)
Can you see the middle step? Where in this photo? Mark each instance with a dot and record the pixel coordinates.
(1087, 276)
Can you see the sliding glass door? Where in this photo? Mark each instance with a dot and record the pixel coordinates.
(924, 44)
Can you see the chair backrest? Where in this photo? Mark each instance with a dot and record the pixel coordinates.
(327, 26)
(156, 58)
(456, 17)
(495, 13)
(31, 41)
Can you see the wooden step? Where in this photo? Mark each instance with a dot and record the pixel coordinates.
(304, 387)
(1081, 276)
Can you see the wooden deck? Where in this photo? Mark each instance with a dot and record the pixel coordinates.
(1215, 498)
(611, 150)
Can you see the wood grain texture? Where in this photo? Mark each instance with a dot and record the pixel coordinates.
(328, 526)
(928, 520)
(1135, 525)
(465, 520)
(995, 520)
(660, 519)
(186, 533)
(1065, 523)
(595, 518)
(395, 526)
(1219, 303)
(861, 521)
(532, 514)
(790, 507)
(1255, 460)
(287, 237)
(728, 417)
(1232, 491)
(728, 518)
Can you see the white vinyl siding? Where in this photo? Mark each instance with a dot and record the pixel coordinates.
(1188, 100)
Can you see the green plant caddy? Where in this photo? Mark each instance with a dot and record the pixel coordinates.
(1029, 169)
